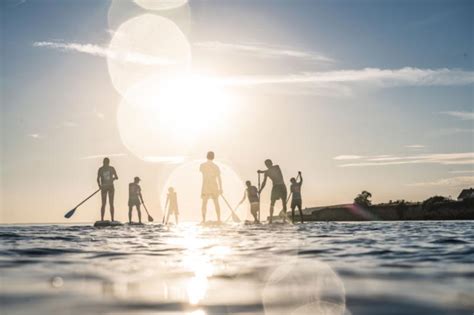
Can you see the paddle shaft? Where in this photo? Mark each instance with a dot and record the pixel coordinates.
(95, 192)
(228, 205)
(259, 195)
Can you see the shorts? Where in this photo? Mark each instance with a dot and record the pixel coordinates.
(278, 192)
(210, 196)
(296, 203)
(134, 202)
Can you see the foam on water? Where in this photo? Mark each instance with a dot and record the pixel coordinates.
(315, 268)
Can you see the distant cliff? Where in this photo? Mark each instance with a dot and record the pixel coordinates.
(442, 210)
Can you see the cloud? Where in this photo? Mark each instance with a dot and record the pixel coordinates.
(462, 171)
(415, 146)
(460, 181)
(263, 51)
(380, 77)
(99, 156)
(95, 50)
(165, 159)
(437, 158)
(460, 115)
(347, 157)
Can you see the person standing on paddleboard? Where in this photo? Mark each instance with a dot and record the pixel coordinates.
(251, 192)
(172, 203)
(211, 185)
(134, 199)
(105, 179)
(279, 188)
(296, 200)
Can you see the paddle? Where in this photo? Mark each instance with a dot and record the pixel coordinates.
(235, 217)
(164, 215)
(70, 213)
(259, 195)
(150, 218)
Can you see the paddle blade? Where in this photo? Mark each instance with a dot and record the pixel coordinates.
(150, 219)
(70, 213)
(235, 218)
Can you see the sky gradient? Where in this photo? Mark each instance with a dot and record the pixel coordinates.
(358, 95)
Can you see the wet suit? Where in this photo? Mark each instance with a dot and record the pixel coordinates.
(105, 178)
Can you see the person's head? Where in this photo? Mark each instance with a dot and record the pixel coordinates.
(136, 180)
(268, 163)
(106, 161)
(293, 180)
(248, 183)
(171, 189)
(210, 155)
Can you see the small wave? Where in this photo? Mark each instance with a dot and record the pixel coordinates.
(44, 251)
(449, 241)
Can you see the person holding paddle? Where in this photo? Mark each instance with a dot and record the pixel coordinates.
(134, 199)
(296, 200)
(172, 204)
(251, 192)
(105, 179)
(279, 188)
(211, 185)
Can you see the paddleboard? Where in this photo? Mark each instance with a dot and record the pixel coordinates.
(107, 223)
(212, 223)
(135, 224)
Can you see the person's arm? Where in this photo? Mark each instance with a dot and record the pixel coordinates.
(98, 178)
(219, 180)
(140, 194)
(301, 178)
(114, 174)
(243, 198)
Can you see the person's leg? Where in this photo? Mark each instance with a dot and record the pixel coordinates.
(130, 208)
(293, 213)
(218, 208)
(103, 195)
(301, 212)
(176, 218)
(284, 196)
(272, 206)
(139, 213)
(111, 202)
(204, 208)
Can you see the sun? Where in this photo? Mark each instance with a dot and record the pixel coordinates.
(167, 117)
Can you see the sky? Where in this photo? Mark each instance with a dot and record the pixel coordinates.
(358, 95)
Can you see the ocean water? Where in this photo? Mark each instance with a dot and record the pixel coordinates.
(312, 268)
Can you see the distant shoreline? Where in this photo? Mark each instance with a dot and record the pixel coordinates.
(398, 211)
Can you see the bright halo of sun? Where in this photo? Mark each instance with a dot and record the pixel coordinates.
(159, 117)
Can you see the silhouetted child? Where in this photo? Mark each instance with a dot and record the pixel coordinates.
(172, 203)
(134, 199)
(296, 200)
(251, 192)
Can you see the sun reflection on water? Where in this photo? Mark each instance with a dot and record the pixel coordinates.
(201, 257)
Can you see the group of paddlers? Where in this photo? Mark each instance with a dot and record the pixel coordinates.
(211, 189)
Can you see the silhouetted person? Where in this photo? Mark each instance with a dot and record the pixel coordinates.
(296, 200)
(279, 188)
(134, 199)
(172, 202)
(105, 179)
(251, 192)
(211, 185)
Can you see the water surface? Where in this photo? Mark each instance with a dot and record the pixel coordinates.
(313, 268)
